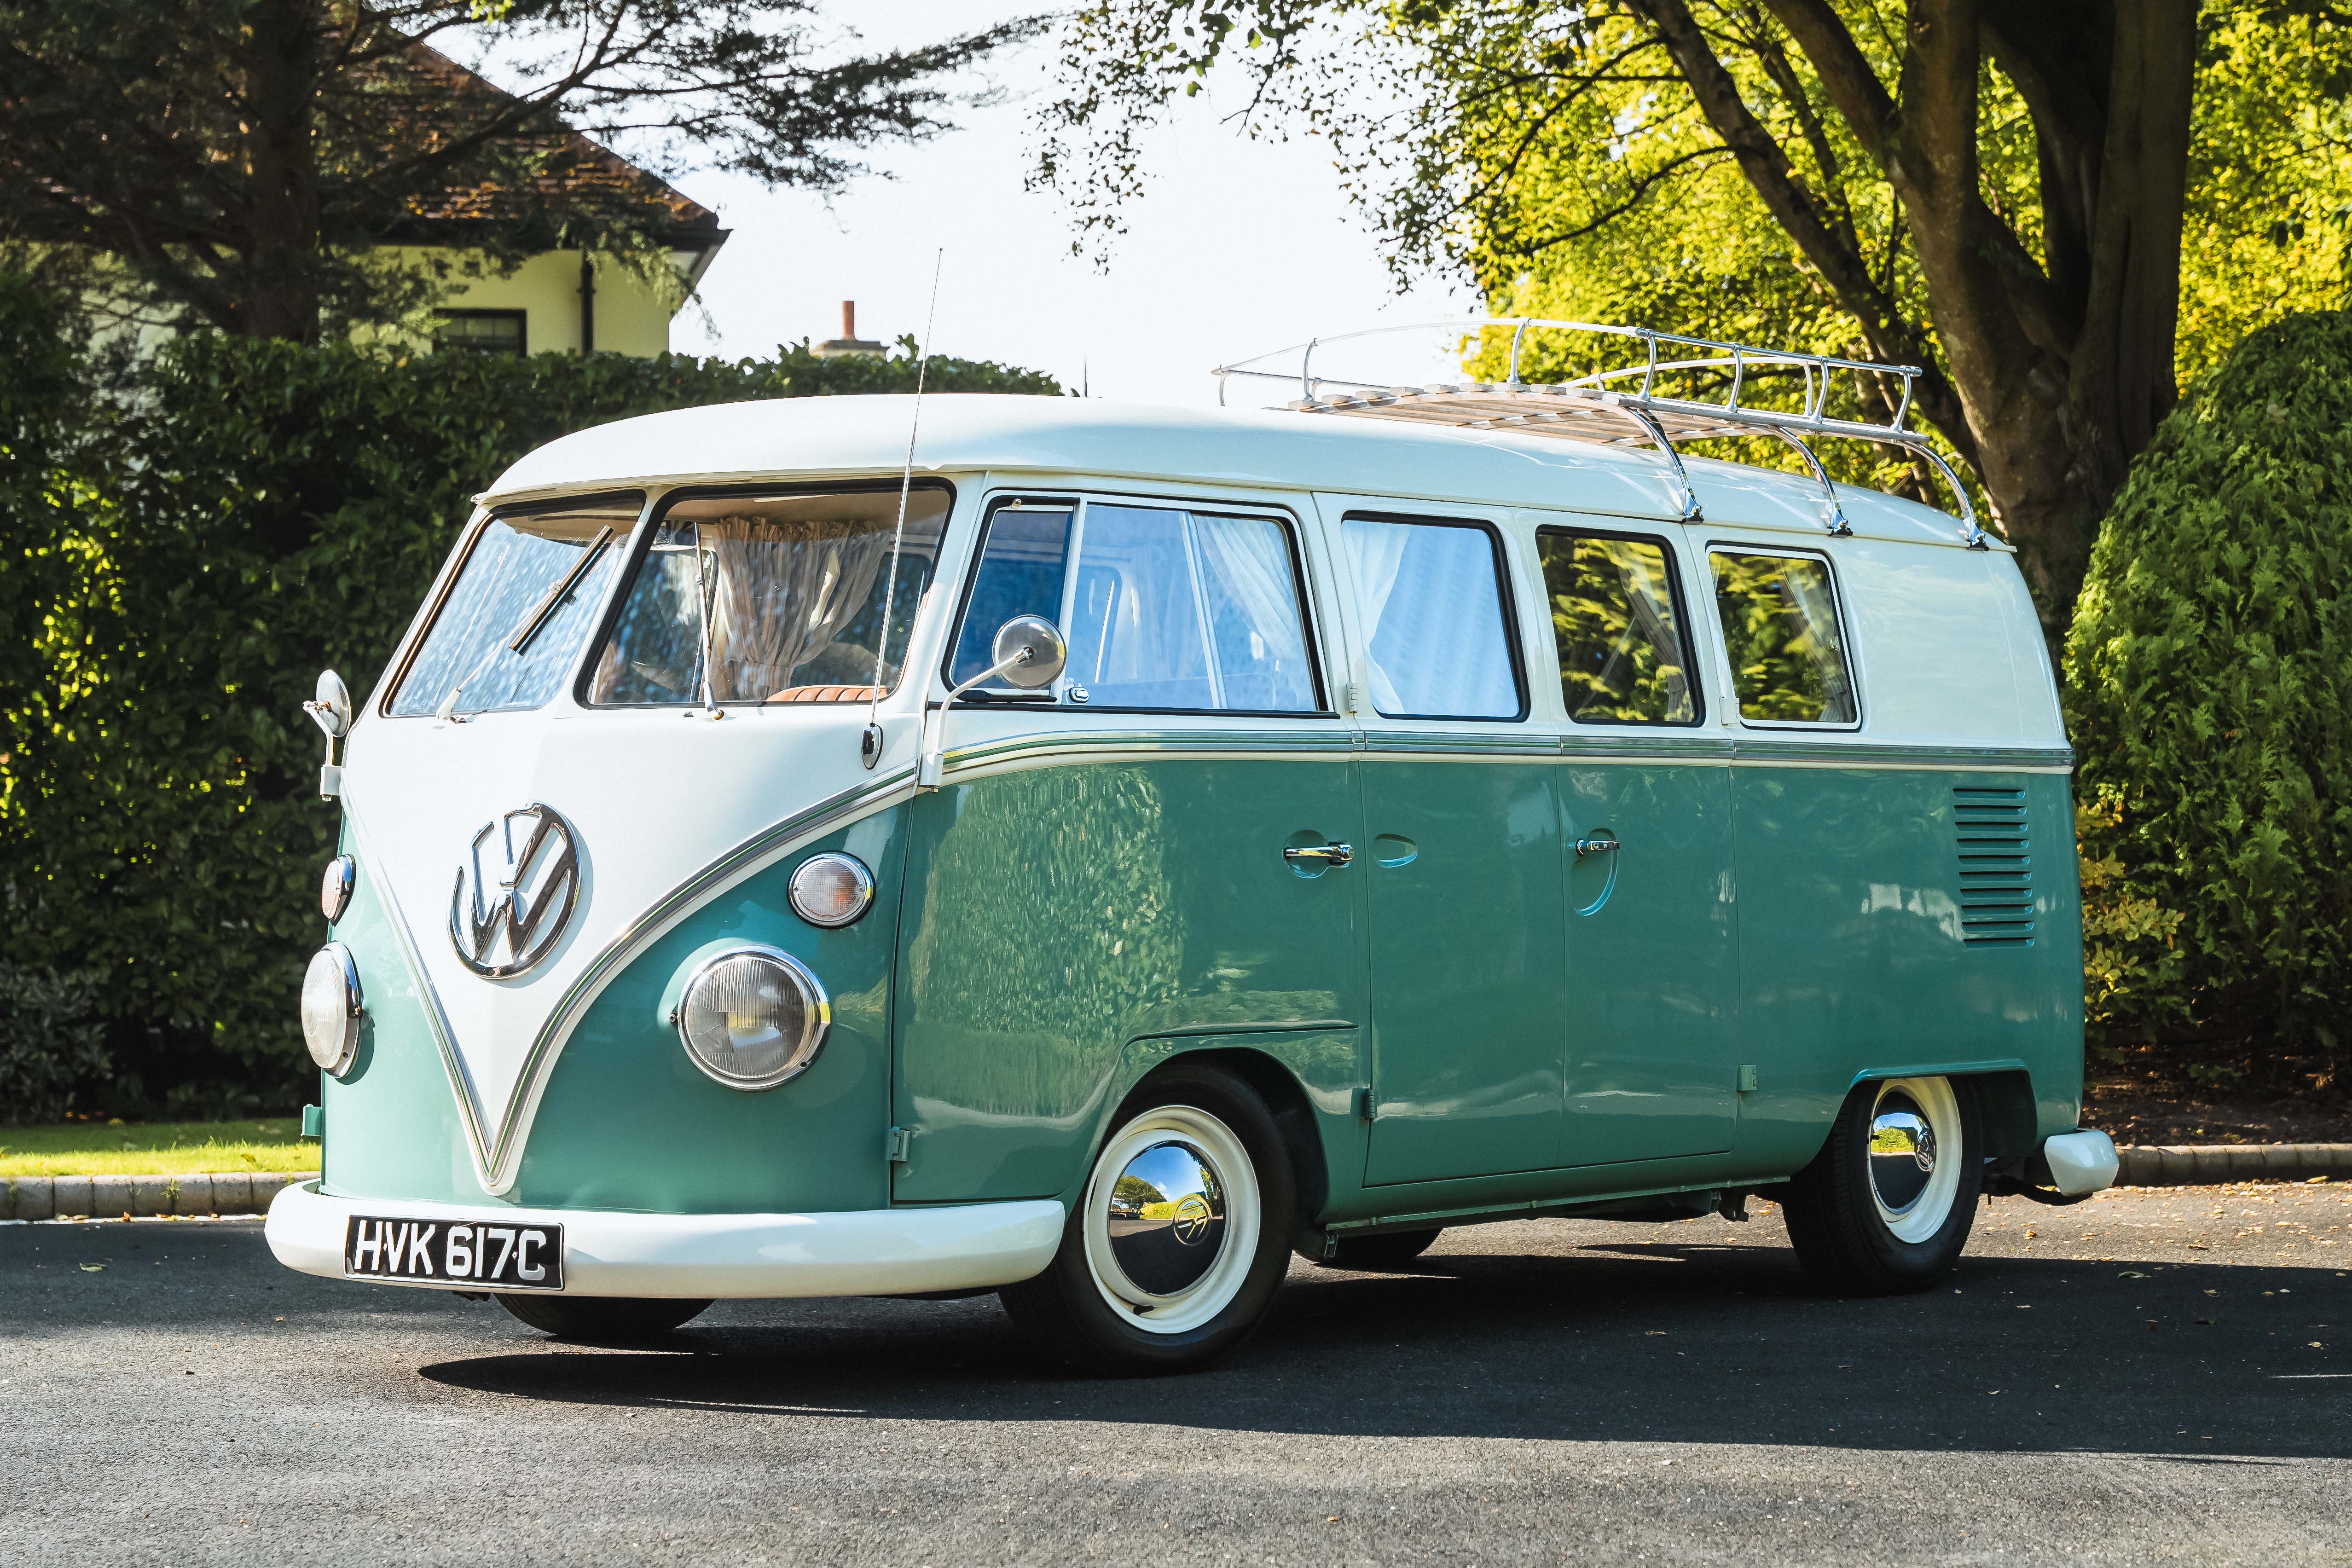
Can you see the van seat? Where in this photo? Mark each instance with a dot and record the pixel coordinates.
(824, 695)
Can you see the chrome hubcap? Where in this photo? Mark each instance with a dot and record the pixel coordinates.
(1902, 1152)
(1166, 1218)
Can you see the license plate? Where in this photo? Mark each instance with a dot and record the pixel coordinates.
(497, 1256)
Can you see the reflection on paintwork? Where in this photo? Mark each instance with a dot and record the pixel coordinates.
(1850, 946)
(1651, 999)
(1057, 913)
(1466, 943)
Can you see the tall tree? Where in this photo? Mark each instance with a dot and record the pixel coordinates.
(1993, 189)
(242, 162)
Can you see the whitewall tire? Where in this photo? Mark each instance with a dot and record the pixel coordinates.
(1181, 1236)
(1887, 1204)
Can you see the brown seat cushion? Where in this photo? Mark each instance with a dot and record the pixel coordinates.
(824, 695)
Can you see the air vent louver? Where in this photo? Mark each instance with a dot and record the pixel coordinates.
(1992, 839)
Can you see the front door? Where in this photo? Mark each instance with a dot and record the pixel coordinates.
(1461, 859)
(1645, 814)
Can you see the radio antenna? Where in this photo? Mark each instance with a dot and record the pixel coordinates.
(870, 747)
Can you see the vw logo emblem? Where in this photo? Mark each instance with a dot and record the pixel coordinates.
(1193, 1217)
(516, 887)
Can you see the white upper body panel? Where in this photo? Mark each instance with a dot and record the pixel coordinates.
(1951, 654)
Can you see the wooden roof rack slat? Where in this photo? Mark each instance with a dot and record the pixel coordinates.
(1599, 408)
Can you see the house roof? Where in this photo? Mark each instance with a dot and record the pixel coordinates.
(574, 171)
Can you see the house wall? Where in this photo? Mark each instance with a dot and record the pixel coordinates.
(631, 318)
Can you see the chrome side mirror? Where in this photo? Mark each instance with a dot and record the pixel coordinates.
(331, 710)
(1029, 653)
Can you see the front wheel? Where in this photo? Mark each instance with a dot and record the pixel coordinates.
(1887, 1206)
(602, 1320)
(1180, 1238)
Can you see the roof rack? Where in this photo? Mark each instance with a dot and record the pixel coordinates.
(1599, 408)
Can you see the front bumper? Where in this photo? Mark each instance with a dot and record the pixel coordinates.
(873, 1252)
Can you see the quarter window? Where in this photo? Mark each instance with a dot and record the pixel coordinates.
(774, 598)
(1163, 607)
(523, 602)
(1436, 625)
(1617, 620)
(1781, 631)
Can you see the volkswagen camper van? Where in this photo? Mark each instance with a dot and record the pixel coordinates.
(1120, 848)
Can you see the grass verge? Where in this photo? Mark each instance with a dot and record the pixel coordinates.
(156, 1148)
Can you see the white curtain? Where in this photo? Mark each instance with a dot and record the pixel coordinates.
(1433, 620)
(1378, 552)
(784, 591)
(1248, 558)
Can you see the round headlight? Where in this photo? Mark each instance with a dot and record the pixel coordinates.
(330, 1008)
(753, 1018)
(335, 887)
(831, 889)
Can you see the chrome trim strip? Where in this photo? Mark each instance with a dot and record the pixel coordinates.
(1599, 747)
(1864, 754)
(461, 1083)
(547, 1045)
(1323, 740)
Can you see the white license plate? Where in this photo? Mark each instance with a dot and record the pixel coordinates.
(435, 1251)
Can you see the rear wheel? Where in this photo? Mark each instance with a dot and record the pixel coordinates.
(607, 1320)
(1179, 1240)
(1887, 1206)
(1390, 1250)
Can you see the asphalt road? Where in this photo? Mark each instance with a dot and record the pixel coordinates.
(2151, 1377)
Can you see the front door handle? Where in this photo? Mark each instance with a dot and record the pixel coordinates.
(1329, 854)
(1595, 844)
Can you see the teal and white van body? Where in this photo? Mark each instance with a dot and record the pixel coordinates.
(1383, 828)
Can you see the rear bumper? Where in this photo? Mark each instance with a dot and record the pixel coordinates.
(2081, 1163)
(885, 1251)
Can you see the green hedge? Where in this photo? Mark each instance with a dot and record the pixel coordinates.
(189, 546)
(2208, 687)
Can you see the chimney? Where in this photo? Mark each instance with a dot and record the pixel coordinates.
(849, 343)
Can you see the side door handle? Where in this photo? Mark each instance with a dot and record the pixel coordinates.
(1329, 854)
(1595, 844)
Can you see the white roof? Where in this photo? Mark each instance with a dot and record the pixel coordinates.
(1265, 448)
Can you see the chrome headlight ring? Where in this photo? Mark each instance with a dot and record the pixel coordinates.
(752, 1017)
(331, 1009)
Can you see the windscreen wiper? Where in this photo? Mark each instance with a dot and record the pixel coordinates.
(530, 624)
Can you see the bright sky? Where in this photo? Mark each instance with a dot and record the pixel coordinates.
(1238, 246)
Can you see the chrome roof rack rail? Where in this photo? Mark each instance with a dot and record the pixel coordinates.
(1599, 408)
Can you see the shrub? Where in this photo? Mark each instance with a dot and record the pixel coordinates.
(2209, 684)
(52, 1045)
(205, 538)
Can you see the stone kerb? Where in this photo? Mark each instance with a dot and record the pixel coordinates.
(188, 1194)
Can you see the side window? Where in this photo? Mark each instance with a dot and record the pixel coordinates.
(1166, 607)
(1787, 647)
(1436, 625)
(1021, 571)
(1616, 617)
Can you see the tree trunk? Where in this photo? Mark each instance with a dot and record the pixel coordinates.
(280, 297)
(2063, 362)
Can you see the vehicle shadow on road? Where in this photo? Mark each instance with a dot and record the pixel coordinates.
(1637, 1341)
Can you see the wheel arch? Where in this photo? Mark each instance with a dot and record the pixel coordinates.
(1287, 1098)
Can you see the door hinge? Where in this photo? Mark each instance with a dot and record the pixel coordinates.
(899, 1145)
(1363, 1104)
(1747, 1078)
